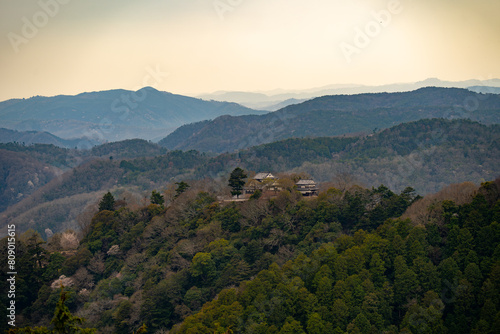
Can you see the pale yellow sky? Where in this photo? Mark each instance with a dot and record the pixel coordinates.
(51, 47)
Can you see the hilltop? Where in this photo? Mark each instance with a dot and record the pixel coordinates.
(112, 115)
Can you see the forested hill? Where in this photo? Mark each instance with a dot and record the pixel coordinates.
(428, 154)
(344, 262)
(440, 277)
(26, 168)
(336, 115)
(112, 115)
(37, 137)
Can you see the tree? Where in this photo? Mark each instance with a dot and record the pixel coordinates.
(203, 266)
(63, 322)
(230, 219)
(315, 325)
(107, 202)
(292, 326)
(257, 194)
(236, 181)
(377, 269)
(181, 187)
(156, 198)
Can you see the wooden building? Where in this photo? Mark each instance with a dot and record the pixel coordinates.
(307, 187)
(261, 181)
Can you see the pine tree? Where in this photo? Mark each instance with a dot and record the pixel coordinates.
(157, 198)
(107, 202)
(63, 322)
(181, 187)
(236, 181)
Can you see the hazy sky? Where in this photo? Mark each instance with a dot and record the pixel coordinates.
(51, 47)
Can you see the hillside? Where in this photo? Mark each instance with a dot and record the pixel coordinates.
(37, 137)
(335, 115)
(112, 115)
(344, 262)
(130, 148)
(27, 167)
(49, 154)
(128, 178)
(429, 154)
(20, 176)
(399, 278)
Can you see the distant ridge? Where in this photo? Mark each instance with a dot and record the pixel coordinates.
(485, 89)
(112, 115)
(38, 137)
(267, 100)
(335, 115)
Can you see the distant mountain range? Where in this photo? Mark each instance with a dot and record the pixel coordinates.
(334, 116)
(279, 98)
(485, 89)
(89, 119)
(112, 115)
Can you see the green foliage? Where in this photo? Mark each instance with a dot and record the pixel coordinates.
(447, 152)
(282, 265)
(181, 187)
(375, 295)
(157, 198)
(257, 194)
(53, 270)
(237, 181)
(230, 218)
(63, 322)
(107, 202)
(203, 266)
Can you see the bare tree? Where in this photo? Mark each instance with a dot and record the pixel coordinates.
(343, 181)
(422, 211)
(83, 279)
(84, 219)
(69, 240)
(96, 264)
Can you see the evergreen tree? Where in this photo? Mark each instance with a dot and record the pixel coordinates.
(236, 181)
(63, 322)
(107, 202)
(181, 187)
(156, 198)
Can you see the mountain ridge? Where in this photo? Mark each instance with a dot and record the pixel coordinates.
(38, 137)
(266, 100)
(335, 115)
(112, 115)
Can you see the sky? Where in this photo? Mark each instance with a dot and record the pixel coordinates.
(190, 47)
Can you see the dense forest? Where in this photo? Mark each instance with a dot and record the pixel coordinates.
(355, 260)
(428, 154)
